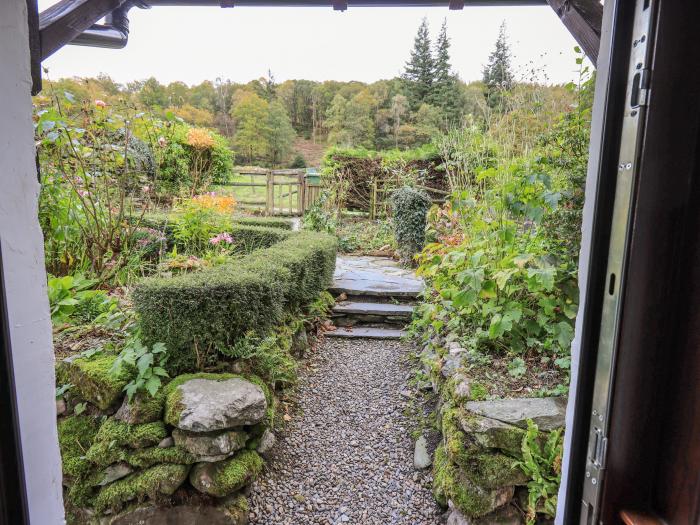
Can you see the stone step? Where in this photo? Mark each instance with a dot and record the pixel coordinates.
(367, 333)
(378, 309)
(388, 290)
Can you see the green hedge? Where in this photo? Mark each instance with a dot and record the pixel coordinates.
(268, 222)
(198, 313)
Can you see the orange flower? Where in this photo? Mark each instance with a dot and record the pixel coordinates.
(199, 138)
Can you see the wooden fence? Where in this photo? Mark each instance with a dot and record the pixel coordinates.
(280, 192)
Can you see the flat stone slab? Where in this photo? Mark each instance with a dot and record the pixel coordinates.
(374, 276)
(385, 309)
(367, 333)
(548, 413)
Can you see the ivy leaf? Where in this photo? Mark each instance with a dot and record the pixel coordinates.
(564, 334)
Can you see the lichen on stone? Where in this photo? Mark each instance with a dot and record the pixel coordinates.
(149, 483)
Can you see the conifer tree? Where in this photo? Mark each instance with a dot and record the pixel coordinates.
(445, 94)
(498, 76)
(420, 69)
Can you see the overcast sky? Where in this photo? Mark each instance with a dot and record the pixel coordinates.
(192, 44)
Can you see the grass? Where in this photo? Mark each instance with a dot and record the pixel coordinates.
(254, 196)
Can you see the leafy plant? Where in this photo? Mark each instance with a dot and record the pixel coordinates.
(149, 364)
(71, 298)
(542, 464)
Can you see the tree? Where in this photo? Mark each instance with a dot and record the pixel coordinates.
(498, 76)
(152, 94)
(446, 93)
(349, 122)
(280, 133)
(250, 114)
(420, 69)
(399, 108)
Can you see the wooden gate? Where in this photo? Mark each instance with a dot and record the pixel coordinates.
(282, 192)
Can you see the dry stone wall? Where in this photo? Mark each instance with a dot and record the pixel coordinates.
(476, 464)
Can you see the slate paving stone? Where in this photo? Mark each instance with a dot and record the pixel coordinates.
(374, 276)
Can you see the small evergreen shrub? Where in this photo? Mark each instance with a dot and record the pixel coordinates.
(199, 314)
(410, 209)
(267, 222)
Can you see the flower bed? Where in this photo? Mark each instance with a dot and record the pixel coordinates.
(228, 335)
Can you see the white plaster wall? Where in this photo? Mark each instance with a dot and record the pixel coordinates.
(24, 274)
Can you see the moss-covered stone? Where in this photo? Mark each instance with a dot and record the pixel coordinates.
(152, 456)
(103, 454)
(490, 433)
(143, 408)
(459, 447)
(122, 434)
(492, 470)
(149, 483)
(75, 436)
(174, 400)
(449, 482)
(227, 477)
(94, 380)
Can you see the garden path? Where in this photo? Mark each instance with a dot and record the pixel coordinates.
(346, 454)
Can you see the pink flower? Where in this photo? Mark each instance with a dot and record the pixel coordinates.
(222, 237)
(161, 142)
(100, 103)
(82, 193)
(146, 189)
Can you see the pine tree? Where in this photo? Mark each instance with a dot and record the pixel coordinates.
(420, 69)
(498, 76)
(445, 94)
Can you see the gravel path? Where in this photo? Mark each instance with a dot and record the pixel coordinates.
(347, 456)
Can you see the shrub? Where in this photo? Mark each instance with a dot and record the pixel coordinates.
(197, 314)
(268, 222)
(298, 162)
(410, 208)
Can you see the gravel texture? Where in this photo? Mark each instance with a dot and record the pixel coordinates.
(346, 456)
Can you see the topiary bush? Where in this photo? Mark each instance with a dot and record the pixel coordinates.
(200, 314)
(410, 208)
(267, 222)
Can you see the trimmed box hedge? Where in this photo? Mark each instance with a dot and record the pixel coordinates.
(197, 314)
(267, 222)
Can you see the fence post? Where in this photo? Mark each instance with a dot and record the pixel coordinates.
(300, 193)
(270, 194)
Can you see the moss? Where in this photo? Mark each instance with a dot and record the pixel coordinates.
(104, 453)
(144, 408)
(229, 476)
(449, 482)
(478, 392)
(173, 396)
(494, 470)
(237, 508)
(133, 436)
(95, 382)
(161, 479)
(75, 436)
(151, 456)
(459, 447)
(501, 436)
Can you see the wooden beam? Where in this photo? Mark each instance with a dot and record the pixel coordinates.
(583, 19)
(62, 22)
